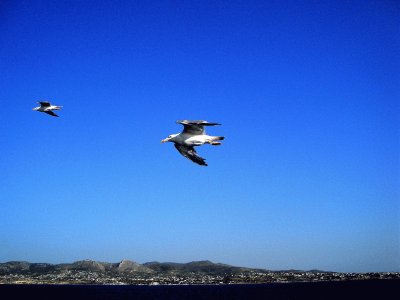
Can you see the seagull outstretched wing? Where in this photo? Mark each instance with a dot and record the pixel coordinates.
(50, 112)
(190, 153)
(195, 127)
(44, 103)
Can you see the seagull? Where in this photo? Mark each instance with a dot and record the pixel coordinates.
(193, 135)
(47, 108)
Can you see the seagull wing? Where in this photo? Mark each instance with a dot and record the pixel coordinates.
(195, 127)
(44, 103)
(191, 154)
(50, 112)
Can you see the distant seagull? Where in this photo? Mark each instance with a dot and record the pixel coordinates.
(47, 108)
(193, 135)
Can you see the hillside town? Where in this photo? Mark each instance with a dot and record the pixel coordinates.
(89, 277)
(131, 273)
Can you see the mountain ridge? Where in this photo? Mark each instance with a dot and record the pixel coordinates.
(130, 266)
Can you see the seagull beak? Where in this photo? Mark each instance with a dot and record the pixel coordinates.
(163, 141)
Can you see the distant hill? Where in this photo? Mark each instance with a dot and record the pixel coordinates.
(128, 266)
(125, 266)
(197, 267)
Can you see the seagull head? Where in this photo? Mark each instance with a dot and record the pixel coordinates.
(170, 138)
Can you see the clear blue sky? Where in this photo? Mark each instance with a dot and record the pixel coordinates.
(308, 95)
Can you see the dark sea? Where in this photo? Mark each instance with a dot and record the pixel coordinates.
(365, 289)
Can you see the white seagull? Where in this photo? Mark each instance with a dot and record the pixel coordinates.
(47, 108)
(193, 135)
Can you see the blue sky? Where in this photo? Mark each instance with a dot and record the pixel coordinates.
(308, 95)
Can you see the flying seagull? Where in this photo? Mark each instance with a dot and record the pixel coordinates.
(47, 108)
(193, 135)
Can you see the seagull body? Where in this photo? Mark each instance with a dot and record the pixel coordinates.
(193, 135)
(47, 108)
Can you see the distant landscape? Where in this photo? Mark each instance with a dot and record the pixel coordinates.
(153, 273)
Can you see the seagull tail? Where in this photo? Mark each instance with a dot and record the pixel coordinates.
(215, 139)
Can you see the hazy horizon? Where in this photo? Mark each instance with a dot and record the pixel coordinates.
(308, 176)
